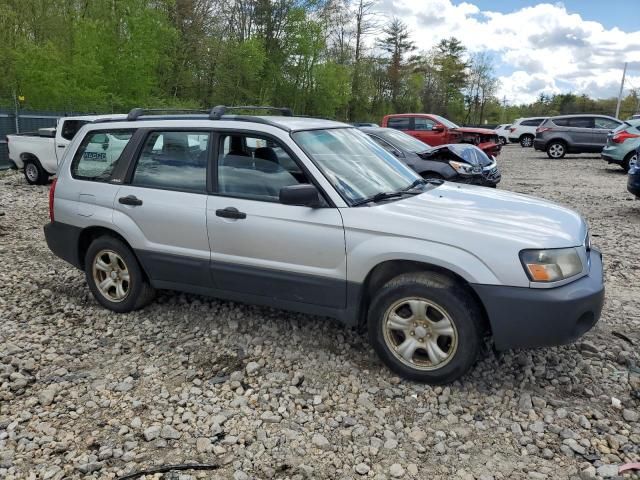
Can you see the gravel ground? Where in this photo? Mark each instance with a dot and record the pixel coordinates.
(262, 393)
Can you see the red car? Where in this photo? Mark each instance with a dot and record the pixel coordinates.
(435, 130)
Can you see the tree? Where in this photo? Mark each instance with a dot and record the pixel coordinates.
(397, 44)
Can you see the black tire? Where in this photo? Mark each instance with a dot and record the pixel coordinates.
(502, 140)
(138, 291)
(34, 173)
(447, 295)
(556, 149)
(526, 141)
(626, 163)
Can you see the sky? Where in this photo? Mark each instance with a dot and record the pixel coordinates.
(577, 46)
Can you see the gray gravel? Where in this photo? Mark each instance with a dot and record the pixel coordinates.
(85, 393)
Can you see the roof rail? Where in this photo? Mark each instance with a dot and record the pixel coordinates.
(136, 113)
(217, 112)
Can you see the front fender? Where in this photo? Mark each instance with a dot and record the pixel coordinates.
(365, 254)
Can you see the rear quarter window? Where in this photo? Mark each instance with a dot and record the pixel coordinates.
(98, 154)
(400, 123)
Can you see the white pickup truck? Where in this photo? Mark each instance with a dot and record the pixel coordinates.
(37, 154)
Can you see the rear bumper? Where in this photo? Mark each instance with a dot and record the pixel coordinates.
(610, 159)
(63, 241)
(613, 154)
(538, 317)
(539, 144)
(633, 184)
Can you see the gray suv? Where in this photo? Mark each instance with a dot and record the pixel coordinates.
(312, 215)
(574, 134)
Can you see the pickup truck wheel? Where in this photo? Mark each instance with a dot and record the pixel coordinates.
(425, 327)
(34, 173)
(556, 150)
(526, 141)
(114, 276)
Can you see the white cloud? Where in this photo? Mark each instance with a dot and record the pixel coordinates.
(547, 48)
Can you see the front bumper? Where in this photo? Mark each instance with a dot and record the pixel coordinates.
(633, 182)
(539, 317)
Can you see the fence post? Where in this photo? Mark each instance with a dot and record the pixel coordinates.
(16, 111)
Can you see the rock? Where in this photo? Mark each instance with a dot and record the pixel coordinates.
(417, 435)
(252, 367)
(152, 433)
(396, 470)
(240, 475)
(169, 433)
(362, 469)
(203, 445)
(630, 415)
(574, 445)
(89, 467)
(607, 471)
(525, 404)
(588, 473)
(412, 468)
(270, 417)
(320, 441)
(46, 396)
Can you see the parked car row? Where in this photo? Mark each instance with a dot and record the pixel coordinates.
(324, 218)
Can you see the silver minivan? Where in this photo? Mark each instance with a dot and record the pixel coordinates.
(314, 216)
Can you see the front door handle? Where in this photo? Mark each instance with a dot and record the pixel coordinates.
(230, 212)
(130, 200)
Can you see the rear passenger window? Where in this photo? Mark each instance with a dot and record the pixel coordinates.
(173, 161)
(581, 122)
(561, 122)
(399, 123)
(98, 154)
(606, 123)
(255, 168)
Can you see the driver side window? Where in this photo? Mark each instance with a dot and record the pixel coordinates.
(255, 168)
(423, 124)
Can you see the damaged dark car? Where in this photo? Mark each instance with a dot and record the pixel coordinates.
(456, 162)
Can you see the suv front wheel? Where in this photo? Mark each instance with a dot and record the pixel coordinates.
(425, 327)
(115, 277)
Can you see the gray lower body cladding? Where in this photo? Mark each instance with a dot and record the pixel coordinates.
(519, 317)
(536, 317)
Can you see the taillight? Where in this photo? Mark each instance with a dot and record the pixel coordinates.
(620, 137)
(543, 129)
(512, 129)
(52, 194)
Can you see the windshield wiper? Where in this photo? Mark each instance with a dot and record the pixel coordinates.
(378, 197)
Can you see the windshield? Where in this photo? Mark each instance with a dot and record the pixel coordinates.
(404, 141)
(356, 166)
(445, 122)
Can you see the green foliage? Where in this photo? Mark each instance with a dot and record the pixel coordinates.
(319, 57)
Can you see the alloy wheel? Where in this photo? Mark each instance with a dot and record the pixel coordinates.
(556, 150)
(111, 276)
(420, 333)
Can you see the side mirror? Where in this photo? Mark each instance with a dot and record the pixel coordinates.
(305, 195)
(437, 128)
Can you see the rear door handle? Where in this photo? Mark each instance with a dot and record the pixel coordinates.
(130, 200)
(62, 146)
(230, 212)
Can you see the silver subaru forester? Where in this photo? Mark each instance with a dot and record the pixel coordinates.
(312, 215)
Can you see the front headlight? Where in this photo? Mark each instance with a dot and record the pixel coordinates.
(551, 265)
(464, 168)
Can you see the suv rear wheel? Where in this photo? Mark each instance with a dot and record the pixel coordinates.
(556, 150)
(526, 141)
(425, 327)
(115, 277)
